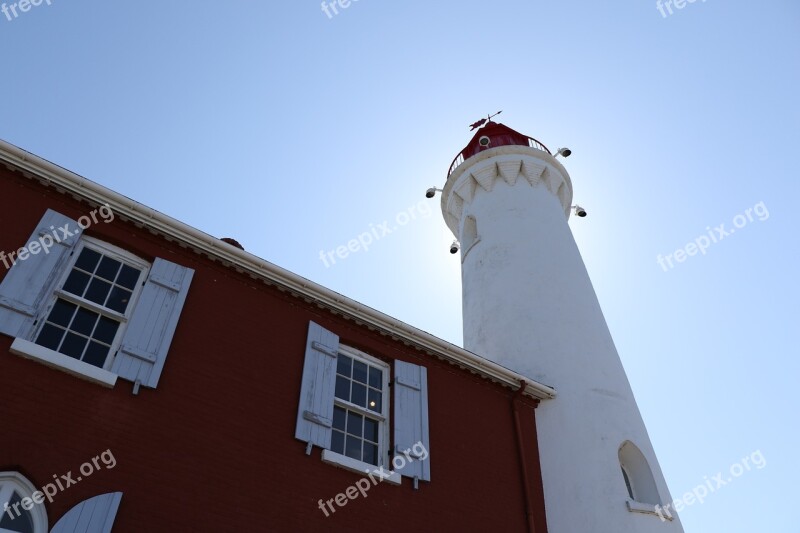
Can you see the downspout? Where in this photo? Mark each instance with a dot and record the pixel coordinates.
(521, 451)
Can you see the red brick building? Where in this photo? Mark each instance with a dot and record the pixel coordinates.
(155, 378)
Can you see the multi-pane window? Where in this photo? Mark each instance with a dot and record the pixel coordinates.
(359, 411)
(92, 304)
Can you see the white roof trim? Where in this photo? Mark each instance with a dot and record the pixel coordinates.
(282, 278)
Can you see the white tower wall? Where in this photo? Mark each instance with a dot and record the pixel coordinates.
(529, 305)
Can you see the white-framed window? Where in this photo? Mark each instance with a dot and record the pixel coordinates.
(93, 310)
(344, 409)
(361, 408)
(92, 303)
(643, 495)
(22, 512)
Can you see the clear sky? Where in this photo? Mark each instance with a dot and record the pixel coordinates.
(294, 132)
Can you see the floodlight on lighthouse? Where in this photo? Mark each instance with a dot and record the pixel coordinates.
(455, 247)
(566, 152)
(430, 193)
(581, 212)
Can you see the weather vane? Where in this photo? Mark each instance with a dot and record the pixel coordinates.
(483, 121)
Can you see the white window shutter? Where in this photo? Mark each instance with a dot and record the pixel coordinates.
(411, 438)
(315, 412)
(147, 338)
(31, 281)
(95, 515)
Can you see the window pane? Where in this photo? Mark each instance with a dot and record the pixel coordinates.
(61, 313)
(339, 417)
(354, 424)
(106, 330)
(96, 354)
(20, 520)
(87, 260)
(84, 322)
(359, 371)
(353, 447)
(128, 277)
(98, 291)
(50, 337)
(337, 442)
(343, 388)
(76, 282)
(359, 396)
(371, 429)
(375, 401)
(375, 378)
(371, 453)
(73, 345)
(118, 301)
(343, 365)
(108, 269)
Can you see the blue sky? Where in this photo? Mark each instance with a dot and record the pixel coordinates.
(293, 132)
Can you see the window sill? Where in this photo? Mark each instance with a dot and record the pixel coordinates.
(359, 467)
(648, 508)
(62, 362)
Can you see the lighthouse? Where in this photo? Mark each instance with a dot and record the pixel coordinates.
(529, 305)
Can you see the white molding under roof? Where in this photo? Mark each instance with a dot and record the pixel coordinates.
(46, 171)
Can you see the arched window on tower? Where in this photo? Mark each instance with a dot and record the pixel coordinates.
(21, 513)
(637, 475)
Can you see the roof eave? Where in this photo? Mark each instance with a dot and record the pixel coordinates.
(273, 274)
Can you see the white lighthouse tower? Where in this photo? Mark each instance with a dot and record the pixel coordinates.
(529, 305)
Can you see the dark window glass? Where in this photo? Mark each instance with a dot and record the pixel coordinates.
(343, 388)
(375, 378)
(370, 453)
(73, 345)
(50, 337)
(359, 372)
(76, 282)
(87, 260)
(371, 429)
(375, 401)
(96, 354)
(128, 277)
(84, 322)
(359, 394)
(343, 365)
(337, 442)
(10, 521)
(119, 299)
(106, 330)
(98, 291)
(353, 447)
(628, 484)
(339, 417)
(102, 280)
(354, 424)
(108, 269)
(61, 313)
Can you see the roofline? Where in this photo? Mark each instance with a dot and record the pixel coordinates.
(273, 274)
